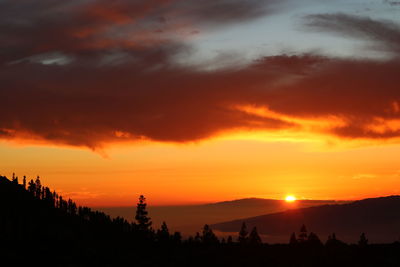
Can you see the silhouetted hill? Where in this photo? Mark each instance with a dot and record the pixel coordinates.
(190, 218)
(24, 216)
(39, 227)
(378, 217)
(35, 221)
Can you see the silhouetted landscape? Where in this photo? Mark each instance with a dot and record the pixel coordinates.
(243, 133)
(379, 217)
(189, 218)
(37, 221)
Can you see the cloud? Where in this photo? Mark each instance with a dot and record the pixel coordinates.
(87, 73)
(392, 3)
(86, 27)
(384, 34)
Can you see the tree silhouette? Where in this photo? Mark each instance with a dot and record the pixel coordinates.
(38, 187)
(32, 187)
(14, 179)
(243, 234)
(293, 239)
(363, 242)
(163, 234)
(177, 238)
(313, 240)
(197, 238)
(143, 221)
(332, 241)
(303, 234)
(208, 236)
(254, 238)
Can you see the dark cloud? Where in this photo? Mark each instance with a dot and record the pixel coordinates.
(384, 33)
(83, 105)
(363, 93)
(29, 27)
(113, 76)
(391, 2)
(80, 105)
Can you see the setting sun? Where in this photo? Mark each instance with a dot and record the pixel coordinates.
(290, 198)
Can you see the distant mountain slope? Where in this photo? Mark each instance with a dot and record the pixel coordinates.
(191, 218)
(379, 218)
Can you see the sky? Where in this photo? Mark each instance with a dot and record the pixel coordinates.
(201, 101)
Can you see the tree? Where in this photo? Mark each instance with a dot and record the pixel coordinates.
(197, 238)
(303, 234)
(24, 182)
(333, 242)
(14, 179)
(229, 241)
(163, 234)
(243, 234)
(208, 236)
(72, 209)
(363, 242)
(314, 240)
(32, 187)
(143, 221)
(38, 187)
(254, 238)
(177, 238)
(293, 239)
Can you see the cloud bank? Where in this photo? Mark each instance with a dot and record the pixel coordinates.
(91, 72)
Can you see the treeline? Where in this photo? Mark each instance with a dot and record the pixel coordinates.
(37, 225)
(32, 201)
(141, 227)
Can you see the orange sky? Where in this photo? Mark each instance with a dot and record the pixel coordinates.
(229, 167)
(200, 101)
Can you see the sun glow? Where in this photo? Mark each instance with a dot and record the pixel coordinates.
(290, 198)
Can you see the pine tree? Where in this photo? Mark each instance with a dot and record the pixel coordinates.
(208, 236)
(254, 238)
(313, 240)
(303, 234)
(24, 182)
(32, 187)
(363, 242)
(197, 238)
(293, 239)
(38, 187)
(14, 179)
(143, 221)
(243, 234)
(177, 238)
(163, 233)
(333, 241)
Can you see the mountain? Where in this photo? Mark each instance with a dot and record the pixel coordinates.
(190, 219)
(379, 218)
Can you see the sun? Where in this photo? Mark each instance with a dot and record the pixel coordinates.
(290, 198)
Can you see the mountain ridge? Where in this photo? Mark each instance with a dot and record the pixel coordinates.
(376, 216)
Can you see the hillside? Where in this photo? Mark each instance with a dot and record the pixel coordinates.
(378, 217)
